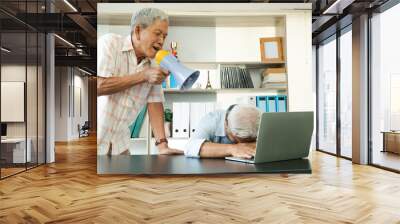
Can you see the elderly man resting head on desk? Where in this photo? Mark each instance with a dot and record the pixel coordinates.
(226, 133)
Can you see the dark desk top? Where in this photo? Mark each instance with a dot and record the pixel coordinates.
(181, 165)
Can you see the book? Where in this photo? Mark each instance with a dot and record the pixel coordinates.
(136, 126)
(235, 77)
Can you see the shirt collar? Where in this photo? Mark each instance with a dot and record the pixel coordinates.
(127, 46)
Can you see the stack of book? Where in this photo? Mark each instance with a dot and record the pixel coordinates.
(235, 77)
(274, 78)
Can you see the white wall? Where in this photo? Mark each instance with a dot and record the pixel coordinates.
(122, 30)
(314, 92)
(298, 51)
(33, 127)
(14, 73)
(210, 44)
(68, 82)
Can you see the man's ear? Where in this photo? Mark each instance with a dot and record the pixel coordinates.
(137, 30)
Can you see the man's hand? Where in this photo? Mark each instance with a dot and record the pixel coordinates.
(155, 75)
(243, 150)
(163, 149)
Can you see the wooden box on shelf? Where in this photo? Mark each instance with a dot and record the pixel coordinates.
(271, 50)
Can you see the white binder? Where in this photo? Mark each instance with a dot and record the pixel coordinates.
(209, 107)
(197, 112)
(180, 120)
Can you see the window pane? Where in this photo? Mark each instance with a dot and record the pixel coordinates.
(13, 86)
(31, 97)
(386, 89)
(327, 97)
(41, 98)
(346, 94)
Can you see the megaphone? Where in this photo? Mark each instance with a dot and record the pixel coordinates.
(185, 77)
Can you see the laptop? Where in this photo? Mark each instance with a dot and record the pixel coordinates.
(282, 136)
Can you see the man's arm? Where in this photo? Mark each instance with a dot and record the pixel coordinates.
(217, 150)
(200, 143)
(111, 85)
(156, 115)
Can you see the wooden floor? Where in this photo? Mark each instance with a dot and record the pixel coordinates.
(70, 191)
(386, 159)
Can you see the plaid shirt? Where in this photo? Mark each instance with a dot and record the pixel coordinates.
(116, 57)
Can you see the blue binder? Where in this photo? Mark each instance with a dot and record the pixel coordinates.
(261, 103)
(271, 104)
(281, 102)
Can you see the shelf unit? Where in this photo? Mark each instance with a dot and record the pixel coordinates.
(214, 35)
(197, 57)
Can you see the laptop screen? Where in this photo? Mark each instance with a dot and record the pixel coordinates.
(3, 129)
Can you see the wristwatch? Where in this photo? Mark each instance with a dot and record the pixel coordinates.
(159, 141)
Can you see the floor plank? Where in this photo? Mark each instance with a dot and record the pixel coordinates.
(70, 191)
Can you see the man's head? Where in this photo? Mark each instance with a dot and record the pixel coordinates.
(149, 28)
(241, 123)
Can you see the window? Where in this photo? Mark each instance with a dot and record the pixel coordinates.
(346, 93)
(385, 89)
(327, 96)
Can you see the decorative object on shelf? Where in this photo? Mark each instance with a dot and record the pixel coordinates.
(174, 47)
(274, 78)
(184, 76)
(271, 50)
(208, 86)
(235, 77)
(168, 120)
(169, 82)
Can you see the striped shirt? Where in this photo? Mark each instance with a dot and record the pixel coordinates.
(116, 57)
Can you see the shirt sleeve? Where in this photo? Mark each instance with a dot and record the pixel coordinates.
(106, 55)
(204, 132)
(156, 94)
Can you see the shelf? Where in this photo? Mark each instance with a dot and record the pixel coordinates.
(214, 91)
(172, 138)
(138, 139)
(190, 91)
(248, 63)
(206, 18)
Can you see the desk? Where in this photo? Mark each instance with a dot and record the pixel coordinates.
(16, 148)
(391, 141)
(181, 165)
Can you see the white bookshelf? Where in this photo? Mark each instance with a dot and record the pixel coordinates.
(213, 35)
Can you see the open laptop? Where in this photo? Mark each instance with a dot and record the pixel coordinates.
(282, 136)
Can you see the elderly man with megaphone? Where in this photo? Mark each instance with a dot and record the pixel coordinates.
(127, 82)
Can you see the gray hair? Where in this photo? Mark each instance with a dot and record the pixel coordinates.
(147, 16)
(243, 121)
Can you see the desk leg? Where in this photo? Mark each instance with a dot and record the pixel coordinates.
(384, 143)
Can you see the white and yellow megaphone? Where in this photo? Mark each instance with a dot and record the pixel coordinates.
(185, 77)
